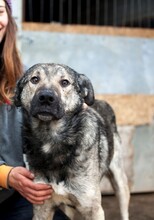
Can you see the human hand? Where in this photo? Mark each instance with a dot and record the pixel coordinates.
(21, 180)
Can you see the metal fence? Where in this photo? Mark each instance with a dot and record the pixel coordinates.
(118, 13)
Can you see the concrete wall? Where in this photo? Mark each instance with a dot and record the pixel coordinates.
(17, 12)
(120, 65)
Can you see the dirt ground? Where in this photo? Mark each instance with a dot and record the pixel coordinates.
(141, 207)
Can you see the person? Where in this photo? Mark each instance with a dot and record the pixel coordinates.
(17, 190)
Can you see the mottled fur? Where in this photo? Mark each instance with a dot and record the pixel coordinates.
(69, 144)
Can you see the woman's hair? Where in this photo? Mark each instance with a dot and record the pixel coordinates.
(11, 66)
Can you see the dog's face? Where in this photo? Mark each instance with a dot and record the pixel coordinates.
(49, 91)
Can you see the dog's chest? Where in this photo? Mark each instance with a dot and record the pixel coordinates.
(51, 159)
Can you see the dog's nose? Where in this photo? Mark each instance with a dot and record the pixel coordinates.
(46, 97)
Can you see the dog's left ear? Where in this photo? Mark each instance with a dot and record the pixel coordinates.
(86, 88)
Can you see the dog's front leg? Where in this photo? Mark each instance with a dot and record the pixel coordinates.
(95, 212)
(44, 211)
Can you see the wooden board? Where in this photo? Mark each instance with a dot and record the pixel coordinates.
(89, 29)
(131, 109)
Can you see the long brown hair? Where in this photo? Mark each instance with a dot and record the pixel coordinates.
(11, 66)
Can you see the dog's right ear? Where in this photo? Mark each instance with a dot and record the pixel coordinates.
(18, 90)
(17, 98)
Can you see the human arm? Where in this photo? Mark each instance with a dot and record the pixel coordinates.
(21, 180)
(4, 172)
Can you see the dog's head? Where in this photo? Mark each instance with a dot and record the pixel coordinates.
(48, 91)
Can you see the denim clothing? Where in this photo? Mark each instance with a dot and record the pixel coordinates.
(11, 148)
(18, 208)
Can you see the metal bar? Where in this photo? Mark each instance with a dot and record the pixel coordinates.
(115, 13)
(148, 12)
(88, 12)
(132, 13)
(30, 6)
(69, 11)
(79, 12)
(51, 10)
(41, 10)
(105, 12)
(61, 11)
(139, 13)
(97, 19)
(124, 13)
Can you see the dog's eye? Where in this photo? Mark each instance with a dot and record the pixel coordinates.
(35, 79)
(65, 82)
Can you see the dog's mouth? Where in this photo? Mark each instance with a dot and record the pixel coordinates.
(43, 116)
(48, 115)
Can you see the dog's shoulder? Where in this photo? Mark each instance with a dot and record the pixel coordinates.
(105, 110)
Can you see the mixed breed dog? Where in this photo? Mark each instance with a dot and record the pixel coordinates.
(71, 142)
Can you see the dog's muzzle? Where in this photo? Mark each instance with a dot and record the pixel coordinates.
(46, 105)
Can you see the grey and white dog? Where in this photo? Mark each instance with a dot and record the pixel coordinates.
(69, 144)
